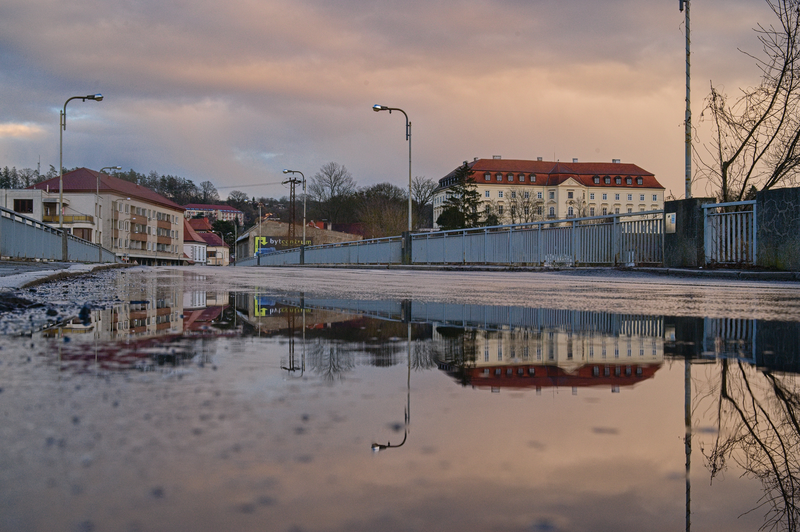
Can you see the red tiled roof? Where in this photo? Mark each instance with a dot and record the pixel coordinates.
(200, 224)
(190, 235)
(549, 173)
(204, 207)
(212, 239)
(85, 180)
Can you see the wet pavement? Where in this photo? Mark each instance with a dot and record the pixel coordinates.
(299, 399)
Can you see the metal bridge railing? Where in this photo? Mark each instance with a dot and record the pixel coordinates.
(730, 232)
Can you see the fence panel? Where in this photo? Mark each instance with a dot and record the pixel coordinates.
(730, 232)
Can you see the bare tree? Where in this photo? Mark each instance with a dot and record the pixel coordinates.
(209, 192)
(383, 210)
(422, 190)
(523, 207)
(756, 143)
(330, 189)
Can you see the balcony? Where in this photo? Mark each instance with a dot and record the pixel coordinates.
(69, 219)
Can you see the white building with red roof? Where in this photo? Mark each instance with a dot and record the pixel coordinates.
(520, 191)
(134, 222)
(194, 246)
(225, 213)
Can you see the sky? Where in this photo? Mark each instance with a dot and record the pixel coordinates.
(233, 92)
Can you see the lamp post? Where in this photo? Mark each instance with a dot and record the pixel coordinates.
(61, 127)
(378, 108)
(97, 211)
(303, 244)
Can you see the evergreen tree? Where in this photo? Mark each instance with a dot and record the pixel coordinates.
(461, 210)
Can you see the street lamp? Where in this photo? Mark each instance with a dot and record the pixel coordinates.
(303, 244)
(97, 211)
(378, 108)
(61, 127)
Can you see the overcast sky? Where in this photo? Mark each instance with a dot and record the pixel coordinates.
(233, 92)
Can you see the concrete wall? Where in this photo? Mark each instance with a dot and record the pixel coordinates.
(685, 247)
(778, 229)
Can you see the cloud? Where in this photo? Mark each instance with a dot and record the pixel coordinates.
(20, 131)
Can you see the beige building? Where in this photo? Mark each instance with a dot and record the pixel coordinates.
(271, 235)
(521, 191)
(132, 221)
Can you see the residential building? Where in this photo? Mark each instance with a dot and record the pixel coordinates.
(194, 246)
(520, 191)
(134, 222)
(224, 213)
(271, 235)
(217, 251)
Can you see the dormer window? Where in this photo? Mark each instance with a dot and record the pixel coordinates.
(487, 176)
(521, 178)
(628, 181)
(618, 180)
(533, 178)
(607, 180)
(596, 179)
(510, 177)
(499, 177)
(638, 180)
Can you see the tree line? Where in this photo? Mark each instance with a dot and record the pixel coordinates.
(333, 196)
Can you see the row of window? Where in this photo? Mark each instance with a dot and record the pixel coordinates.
(552, 195)
(149, 246)
(140, 228)
(147, 213)
(531, 178)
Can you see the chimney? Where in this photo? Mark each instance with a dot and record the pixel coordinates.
(475, 158)
(615, 161)
(465, 162)
(496, 157)
(574, 159)
(538, 158)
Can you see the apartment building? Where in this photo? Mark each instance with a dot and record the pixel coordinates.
(520, 191)
(134, 222)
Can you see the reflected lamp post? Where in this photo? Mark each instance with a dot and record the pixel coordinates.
(97, 211)
(303, 243)
(378, 108)
(61, 127)
(378, 447)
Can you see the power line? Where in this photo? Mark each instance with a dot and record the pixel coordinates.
(253, 185)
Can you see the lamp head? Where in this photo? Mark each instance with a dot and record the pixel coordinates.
(377, 108)
(95, 97)
(285, 171)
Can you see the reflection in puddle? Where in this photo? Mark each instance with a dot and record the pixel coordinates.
(305, 366)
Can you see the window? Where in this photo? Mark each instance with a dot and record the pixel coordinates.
(628, 181)
(487, 176)
(596, 179)
(606, 180)
(605, 197)
(538, 195)
(527, 195)
(570, 211)
(500, 210)
(616, 197)
(527, 211)
(511, 177)
(616, 210)
(605, 211)
(591, 211)
(630, 209)
(552, 194)
(618, 180)
(499, 193)
(655, 197)
(23, 206)
(570, 194)
(499, 177)
(521, 178)
(641, 197)
(487, 194)
(638, 180)
(533, 178)
(513, 193)
(591, 195)
(630, 197)
(552, 211)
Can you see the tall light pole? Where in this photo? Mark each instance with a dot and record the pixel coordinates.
(303, 244)
(97, 211)
(688, 114)
(61, 127)
(378, 108)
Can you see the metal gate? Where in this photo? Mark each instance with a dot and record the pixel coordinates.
(730, 233)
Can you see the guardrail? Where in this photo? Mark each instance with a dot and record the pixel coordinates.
(631, 238)
(22, 237)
